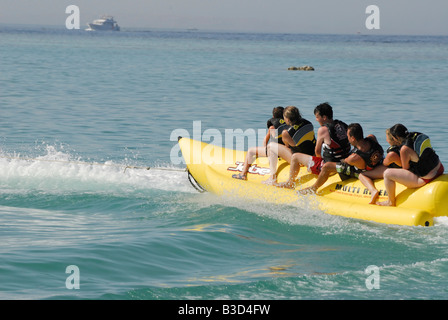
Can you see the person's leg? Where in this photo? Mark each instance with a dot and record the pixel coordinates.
(252, 154)
(402, 176)
(276, 150)
(367, 178)
(327, 169)
(272, 151)
(297, 160)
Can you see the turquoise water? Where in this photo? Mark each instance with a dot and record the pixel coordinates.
(77, 108)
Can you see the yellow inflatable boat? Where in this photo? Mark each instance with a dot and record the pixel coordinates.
(212, 168)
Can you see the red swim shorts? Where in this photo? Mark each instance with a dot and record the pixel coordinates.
(315, 165)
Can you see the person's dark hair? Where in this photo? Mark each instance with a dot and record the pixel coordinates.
(292, 113)
(356, 131)
(278, 112)
(324, 109)
(399, 132)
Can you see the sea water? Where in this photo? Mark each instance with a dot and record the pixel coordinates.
(84, 115)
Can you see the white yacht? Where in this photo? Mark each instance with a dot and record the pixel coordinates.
(105, 23)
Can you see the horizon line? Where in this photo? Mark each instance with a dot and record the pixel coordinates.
(194, 29)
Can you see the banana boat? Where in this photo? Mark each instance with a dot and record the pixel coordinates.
(211, 168)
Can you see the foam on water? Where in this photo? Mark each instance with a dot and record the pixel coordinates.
(58, 172)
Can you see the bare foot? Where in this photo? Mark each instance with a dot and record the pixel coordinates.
(309, 190)
(375, 196)
(271, 181)
(287, 185)
(387, 203)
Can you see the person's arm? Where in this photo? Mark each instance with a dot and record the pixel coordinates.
(268, 136)
(287, 140)
(392, 157)
(406, 157)
(322, 135)
(355, 160)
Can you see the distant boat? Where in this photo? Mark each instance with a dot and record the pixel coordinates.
(105, 23)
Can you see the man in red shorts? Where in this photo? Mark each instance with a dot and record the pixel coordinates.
(332, 146)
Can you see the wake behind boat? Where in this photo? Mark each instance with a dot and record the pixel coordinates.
(105, 23)
(212, 168)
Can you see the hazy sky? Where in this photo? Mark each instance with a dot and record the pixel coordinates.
(289, 16)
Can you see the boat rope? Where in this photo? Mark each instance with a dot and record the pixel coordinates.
(96, 164)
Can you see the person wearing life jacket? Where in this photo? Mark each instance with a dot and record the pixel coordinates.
(275, 125)
(420, 163)
(299, 137)
(391, 160)
(365, 155)
(332, 145)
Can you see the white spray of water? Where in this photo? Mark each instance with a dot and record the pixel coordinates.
(55, 171)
